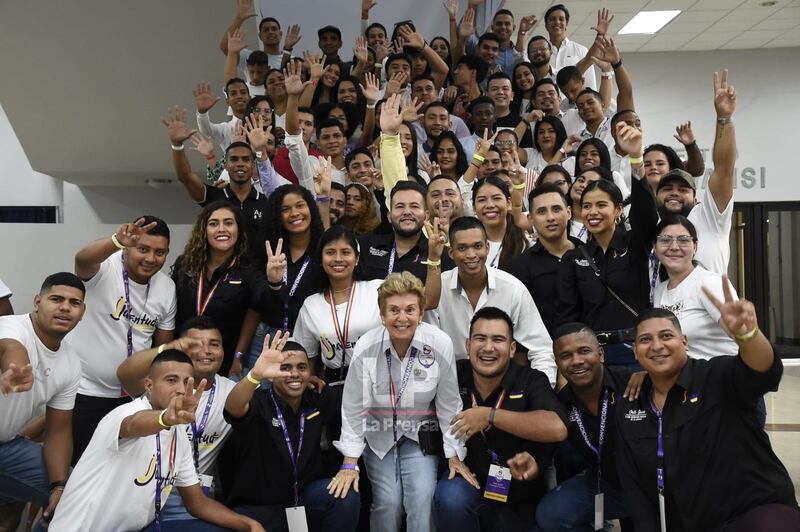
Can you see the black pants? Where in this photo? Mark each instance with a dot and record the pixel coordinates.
(86, 415)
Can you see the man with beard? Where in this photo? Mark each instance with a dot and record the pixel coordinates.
(539, 56)
(405, 248)
(547, 98)
(336, 208)
(236, 95)
(514, 420)
(435, 121)
(444, 200)
(504, 54)
(711, 215)
(424, 90)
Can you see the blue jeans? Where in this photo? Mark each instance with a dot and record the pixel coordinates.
(412, 491)
(462, 507)
(23, 475)
(176, 518)
(323, 511)
(571, 505)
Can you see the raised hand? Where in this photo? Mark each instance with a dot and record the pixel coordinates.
(268, 365)
(437, 238)
(684, 134)
(738, 316)
(460, 107)
(450, 94)
(381, 51)
(609, 53)
(360, 50)
(182, 406)
(292, 81)
(523, 466)
(202, 145)
(516, 171)
(451, 6)
(467, 26)
(315, 65)
(239, 134)
(236, 41)
(485, 143)
(410, 110)
(276, 262)
(571, 143)
(128, 234)
(203, 97)
(390, 115)
(323, 176)
(396, 83)
(372, 88)
(377, 178)
(190, 346)
(629, 139)
(16, 379)
(256, 134)
(603, 21)
(527, 23)
(412, 38)
(457, 467)
(534, 116)
(244, 10)
(366, 6)
(176, 126)
(292, 37)
(724, 95)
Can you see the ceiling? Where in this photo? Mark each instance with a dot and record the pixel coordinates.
(702, 24)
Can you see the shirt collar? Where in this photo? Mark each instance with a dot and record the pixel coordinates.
(506, 382)
(253, 194)
(455, 284)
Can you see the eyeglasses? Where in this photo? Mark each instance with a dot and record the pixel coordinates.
(539, 49)
(684, 241)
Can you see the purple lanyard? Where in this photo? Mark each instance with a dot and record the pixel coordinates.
(129, 305)
(654, 263)
(294, 455)
(161, 481)
(396, 395)
(581, 232)
(392, 255)
(292, 290)
(601, 436)
(660, 448)
(197, 430)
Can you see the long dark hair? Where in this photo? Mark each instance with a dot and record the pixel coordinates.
(361, 102)
(274, 226)
(514, 241)
(672, 157)
(334, 233)
(602, 149)
(558, 126)
(195, 255)
(519, 94)
(323, 110)
(461, 157)
(254, 101)
(321, 88)
(368, 220)
(411, 160)
(448, 60)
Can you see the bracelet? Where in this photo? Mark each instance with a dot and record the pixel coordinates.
(516, 206)
(607, 77)
(432, 263)
(287, 51)
(635, 160)
(323, 199)
(476, 165)
(177, 148)
(259, 154)
(723, 120)
(491, 416)
(251, 380)
(210, 157)
(161, 419)
(617, 64)
(238, 355)
(371, 105)
(478, 157)
(314, 82)
(161, 348)
(58, 484)
(518, 186)
(746, 337)
(116, 242)
(349, 467)
(274, 285)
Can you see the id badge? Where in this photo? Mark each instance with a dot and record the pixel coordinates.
(498, 482)
(599, 520)
(662, 512)
(207, 485)
(296, 518)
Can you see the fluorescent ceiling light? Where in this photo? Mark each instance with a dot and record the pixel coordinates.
(648, 22)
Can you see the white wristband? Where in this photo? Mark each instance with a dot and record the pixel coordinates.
(177, 148)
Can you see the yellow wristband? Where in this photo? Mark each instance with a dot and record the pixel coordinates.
(116, 242)
(746, 337)
(161, 348)
(433, 263)
(478, 157)
(161, 419)
(519, 186)
(635, 160)
(252, 380)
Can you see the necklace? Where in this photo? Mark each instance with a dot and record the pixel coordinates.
(342, 290)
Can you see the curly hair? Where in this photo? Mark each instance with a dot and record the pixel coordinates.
(368, 220)
(274, 225)
(197, 251)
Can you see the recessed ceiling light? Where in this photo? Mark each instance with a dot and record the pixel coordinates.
(648, 22)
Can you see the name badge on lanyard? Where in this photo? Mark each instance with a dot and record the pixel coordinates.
(498, 482)
(296, 519)
(599, 519)
(662, 512)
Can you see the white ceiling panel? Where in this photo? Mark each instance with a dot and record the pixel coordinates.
(776, 24)
(718, 4)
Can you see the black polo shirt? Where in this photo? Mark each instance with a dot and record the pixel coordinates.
(257, 469)
(538, 271)
(254, 210)
(310, 283)
(238, 287)
(526, 389)
(583, 296)
(614, 381)
(376, 250)
(718, 461)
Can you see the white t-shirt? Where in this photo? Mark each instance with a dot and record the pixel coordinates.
(315, 325)
(493, 258)
(101, 338)
(55, 377)
(713, 231)
(698, 316)
(217, 429)
(113, 487)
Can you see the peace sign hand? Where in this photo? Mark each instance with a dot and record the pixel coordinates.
(738, 316)
(724, 95)
(268, 365)
(485, 143)
(276, 263)
(128, 234)
(436, 239)
(16, 379)
(323, 175)
(183, 405)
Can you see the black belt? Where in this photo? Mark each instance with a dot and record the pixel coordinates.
(616, 337)
(335, 375)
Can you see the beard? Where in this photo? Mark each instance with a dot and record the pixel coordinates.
(663, 212)
(407, 233)
(540, 62)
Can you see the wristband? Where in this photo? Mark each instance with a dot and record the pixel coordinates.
(722, 120)
(161, 419)
(635, 160)
(478, 157)
(259, 153)
(432, 263)
(314, 82)
(746, 337)
(116, 242)
(516, 206)
(562, 151)
(371, 105)
(238, 355)
(349, 467)
(491, 416)
(58, 484)
(323, 199)
(274, 285)
(617, 64)
(287, 51)
(210, 157)
(378, 65)
(518, 186)
(161, 348)
(177, 148)
(252, 380)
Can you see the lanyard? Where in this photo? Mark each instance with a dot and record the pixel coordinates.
(392, 256)
(660, 448)
(582, 232)
(497, 405)
(292, 290)
(394, 394)
(294, 455)
(201, 302)
(601, 436)
(197, 430)
(126, 285)
(654, 263)
(496, 258)
(161, 481)
(342, 333)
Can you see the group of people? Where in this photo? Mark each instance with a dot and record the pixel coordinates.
(442, 284)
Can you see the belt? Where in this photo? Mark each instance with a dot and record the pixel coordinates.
(616, 337)
(335, 376)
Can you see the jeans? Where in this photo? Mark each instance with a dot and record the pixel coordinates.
(323, 512)
(176, 518)
(23, 475)
(413, 491)
(462, 507)
(571, 505)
